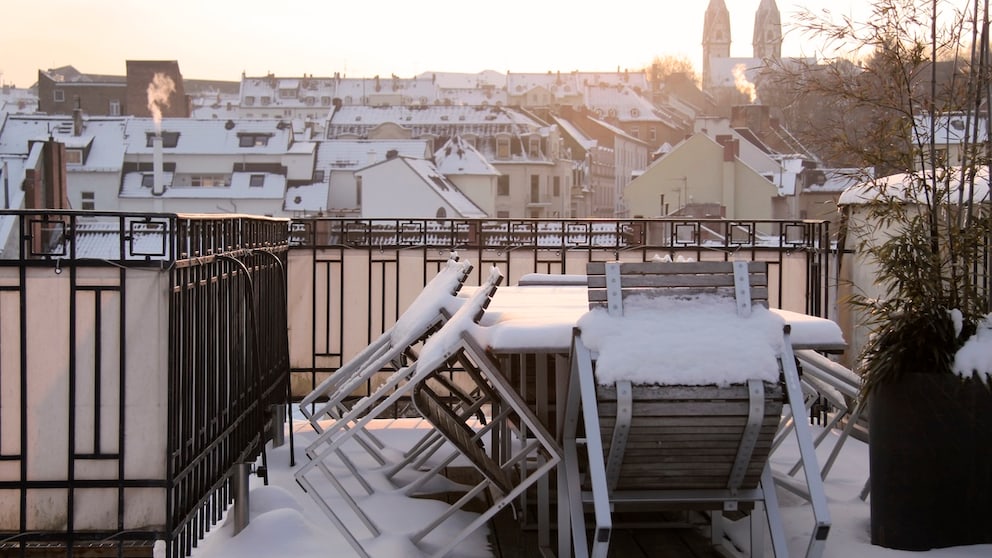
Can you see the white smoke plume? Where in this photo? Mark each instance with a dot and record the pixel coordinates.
(742, 84)
(158, 96)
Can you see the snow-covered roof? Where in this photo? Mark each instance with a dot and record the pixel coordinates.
(580, 137)
(459, 157)
(455, 80)
(432, 178)
(621, 102)
(558, 84)
(215, 137)
(310, 198)
(102, 138)
(415, 115)
(898, 186)
(951, 128)
(473, 97)
(343, 154)
(834, 180)
(445, 188)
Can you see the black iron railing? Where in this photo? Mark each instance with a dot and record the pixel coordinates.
(141, 354)
(383, 263)
(133, 335)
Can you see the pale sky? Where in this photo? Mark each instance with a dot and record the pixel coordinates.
(218, 39)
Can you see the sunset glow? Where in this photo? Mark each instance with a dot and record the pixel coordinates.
(221, 38)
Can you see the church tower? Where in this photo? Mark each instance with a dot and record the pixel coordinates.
(716, 36)
(767, 40)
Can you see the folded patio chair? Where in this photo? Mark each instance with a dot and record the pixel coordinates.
(451, 342)
(679, 447)
(424, 315)
(824, 379)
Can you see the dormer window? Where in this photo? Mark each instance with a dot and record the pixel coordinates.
(74, 156)
(503, 148)
(266, 100)
(249, 100)
(534, 148)
(256, 180)
(287, 93)
(253, 140)
(169, 139)
(147, 180)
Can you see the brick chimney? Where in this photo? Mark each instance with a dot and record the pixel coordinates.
(757, 118)
(731, 147)
(77, 119)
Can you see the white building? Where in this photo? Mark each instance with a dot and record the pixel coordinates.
(401, 187)
(207, 166)
(535, 180)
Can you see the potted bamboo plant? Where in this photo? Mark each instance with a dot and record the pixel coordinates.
(916, 118)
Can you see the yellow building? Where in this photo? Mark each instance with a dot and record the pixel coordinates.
(702, 178)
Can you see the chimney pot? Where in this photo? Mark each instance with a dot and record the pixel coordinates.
(77, 121)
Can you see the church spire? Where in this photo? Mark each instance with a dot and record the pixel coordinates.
(716, 35)
(767, 40)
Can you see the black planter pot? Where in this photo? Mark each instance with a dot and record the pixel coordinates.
(930, 456)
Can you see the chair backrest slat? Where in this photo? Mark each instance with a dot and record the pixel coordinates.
(654, 279)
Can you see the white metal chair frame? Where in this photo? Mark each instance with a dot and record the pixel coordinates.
(388, 349)
(451, 342)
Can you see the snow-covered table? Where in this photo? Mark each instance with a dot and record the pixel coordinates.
(540, 319)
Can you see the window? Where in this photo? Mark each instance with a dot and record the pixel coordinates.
(556, 186)
(503, 185)
(256, 180)
(502, 214)
(147, 180)
(266, 100)
(502, 148)
(535, 188)
(88, 201)
(534, 148)
(287, 93)
(318, 176)
(635, 131)
(59, 96)
(74, 156)
(169, 139)
(358, 190)
(652, 134)
(939, 156)
(253, 140)
(249, 100)
(115, 107)
(209, 181)
(325, 101)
